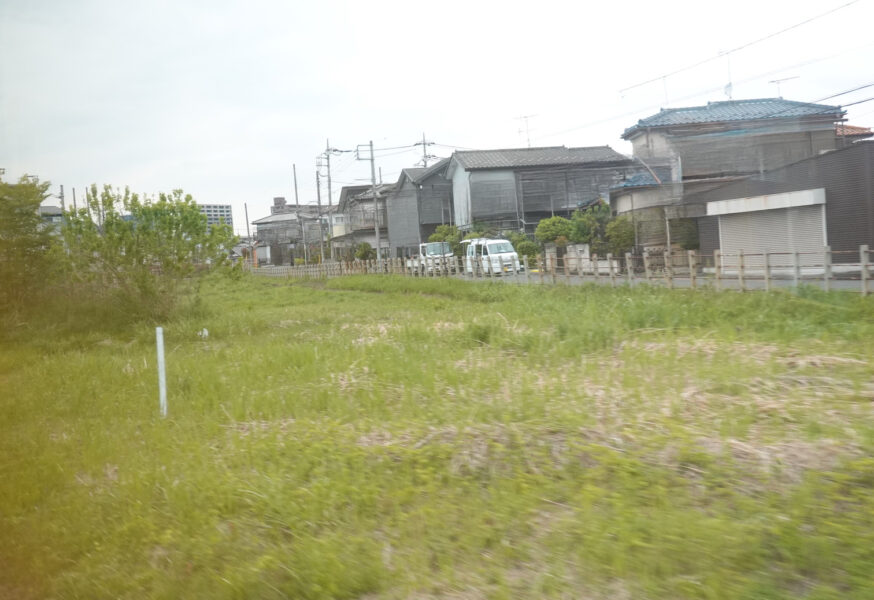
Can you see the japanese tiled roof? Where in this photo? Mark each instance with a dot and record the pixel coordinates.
(536, 157)
(419, 174)
(853, 130)
(736, 110)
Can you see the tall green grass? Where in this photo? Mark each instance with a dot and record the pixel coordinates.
(384, 437)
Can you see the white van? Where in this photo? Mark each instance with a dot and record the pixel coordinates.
(433, 257)
(486, 256)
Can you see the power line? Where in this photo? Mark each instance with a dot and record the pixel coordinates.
(741, 47)
(694, 95)
(858, 102)
(856, 89)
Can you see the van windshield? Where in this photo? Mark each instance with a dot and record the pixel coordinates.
(437, 248)
(500, 247)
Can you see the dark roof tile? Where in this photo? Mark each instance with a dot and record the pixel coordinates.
(536, 157)
(736, 110)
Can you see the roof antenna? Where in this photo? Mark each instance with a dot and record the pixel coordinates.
(779, 81)
(728, 87)
(527, 131)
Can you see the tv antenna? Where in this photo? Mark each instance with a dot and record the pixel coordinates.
(527, 131)
(779, 81)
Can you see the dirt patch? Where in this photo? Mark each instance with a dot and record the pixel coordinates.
(245, 428)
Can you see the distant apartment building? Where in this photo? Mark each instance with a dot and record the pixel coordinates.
(218, 213)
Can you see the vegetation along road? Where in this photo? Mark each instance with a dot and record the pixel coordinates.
(387, 437)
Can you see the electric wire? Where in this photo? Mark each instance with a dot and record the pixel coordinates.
(738, 48)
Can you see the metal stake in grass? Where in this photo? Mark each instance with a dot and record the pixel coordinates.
(162, 376)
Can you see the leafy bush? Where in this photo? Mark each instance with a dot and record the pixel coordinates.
(523, 245)
(549, 230)
(620, 235)
(141, 252)
(448, 233)
(590, 227)
(364, 251)
(26, 244)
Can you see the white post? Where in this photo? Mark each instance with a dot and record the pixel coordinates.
(629, 268)
(827, 267)
(693, 270)
(863, 271)
(162, 376)
(741, 279)
(717, 269)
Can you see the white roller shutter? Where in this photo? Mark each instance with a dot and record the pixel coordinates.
(797, 229)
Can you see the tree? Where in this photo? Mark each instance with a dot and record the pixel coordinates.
(552, 229)
(523, 245)
(620, 235)
(684, 232)
(448, 233)
(364, 251)
(589, 226)
(26, 243)
(144, 251)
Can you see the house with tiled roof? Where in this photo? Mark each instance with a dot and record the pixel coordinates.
(707, 146)
(736, 136)
(422, 200)
(513, 189)
(359, 212)
(848, 134)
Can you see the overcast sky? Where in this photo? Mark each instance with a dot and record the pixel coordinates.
(221, 98)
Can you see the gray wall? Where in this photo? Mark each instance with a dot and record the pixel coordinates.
(846, 176)
(403, 217)
(737, 149)
(493, 195)
(435, 201)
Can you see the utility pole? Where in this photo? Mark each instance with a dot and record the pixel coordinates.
(321, 229)
(425, 155)
(303, 232)
(63, 205)
(249, 237)
(373, 193)
(328, 151)
(75, 208)
(375, 199)
(424, 151)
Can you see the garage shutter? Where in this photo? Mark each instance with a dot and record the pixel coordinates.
(798, 229)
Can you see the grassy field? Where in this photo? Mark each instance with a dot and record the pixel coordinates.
(383, 438)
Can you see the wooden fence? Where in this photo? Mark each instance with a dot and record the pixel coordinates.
(827, 269)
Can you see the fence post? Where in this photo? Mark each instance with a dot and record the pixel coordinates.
(767, 270)
(827, 268)
(863, 263)
(796, 264)
(629, 269)
(596, 268)
(646, 269)
(693, 270)
(567, 270)
(610, 269)
(525, 264)
(717, 269)
(741, 281)
(669, 271)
